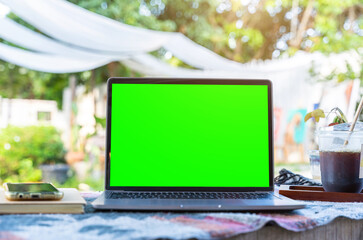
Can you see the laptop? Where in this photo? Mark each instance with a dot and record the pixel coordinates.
(190, 145)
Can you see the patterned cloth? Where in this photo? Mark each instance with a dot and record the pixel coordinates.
(136, 225)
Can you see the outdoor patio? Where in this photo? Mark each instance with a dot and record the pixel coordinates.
(56, 57)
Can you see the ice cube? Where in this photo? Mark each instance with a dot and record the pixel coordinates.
(344, 127)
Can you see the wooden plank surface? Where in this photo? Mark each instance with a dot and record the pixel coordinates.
(318, 194)
(339, 229)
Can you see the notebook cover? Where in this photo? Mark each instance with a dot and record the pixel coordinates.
(72, 202)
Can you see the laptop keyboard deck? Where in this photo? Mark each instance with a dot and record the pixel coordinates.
(188, 195)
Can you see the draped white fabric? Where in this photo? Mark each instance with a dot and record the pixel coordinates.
(74, 40)
(51, 62)
(76, 26)
(78, 34)
(199, 57)
(24, 37)
(82, 35)
(47, 62)
(47, 55)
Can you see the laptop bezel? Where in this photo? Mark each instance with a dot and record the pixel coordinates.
(209, 81)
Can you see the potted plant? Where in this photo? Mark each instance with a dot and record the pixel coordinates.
(32, 153)
(51, 160)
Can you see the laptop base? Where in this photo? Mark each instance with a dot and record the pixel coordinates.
(275, 203)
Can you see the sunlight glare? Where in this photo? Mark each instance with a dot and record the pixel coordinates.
(4, 10)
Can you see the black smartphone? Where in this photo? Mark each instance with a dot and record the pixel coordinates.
(31, 191)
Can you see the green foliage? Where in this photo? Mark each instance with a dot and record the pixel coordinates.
(245, 31)
(100, 121)
(316, 114)
(241, 31)
(19, 82)
(73, 182)
(136, 13)
(19, 171)
(238, 30)
(339, 116)
(334, 26)
(22, 149)
(337, 75)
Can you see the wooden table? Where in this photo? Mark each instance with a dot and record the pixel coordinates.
(339, 229)
(311, 222)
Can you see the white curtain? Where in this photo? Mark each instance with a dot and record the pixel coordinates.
(76, 26)
(26, 38)
(80, 28)
(74, 40)
(47, 62)
(82, 35)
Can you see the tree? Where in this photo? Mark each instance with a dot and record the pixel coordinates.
(246, 30)
(19, 82)
(239, 30)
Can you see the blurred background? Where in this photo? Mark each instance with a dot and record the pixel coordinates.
(52, 122)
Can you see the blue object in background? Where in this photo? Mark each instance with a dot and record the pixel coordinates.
(299, 127)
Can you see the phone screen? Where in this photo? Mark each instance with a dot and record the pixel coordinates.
(31, 187)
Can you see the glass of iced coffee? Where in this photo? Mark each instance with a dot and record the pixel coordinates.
(339, 162)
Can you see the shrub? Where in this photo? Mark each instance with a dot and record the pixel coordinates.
(22, 149)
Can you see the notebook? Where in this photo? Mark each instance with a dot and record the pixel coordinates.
(72, 202)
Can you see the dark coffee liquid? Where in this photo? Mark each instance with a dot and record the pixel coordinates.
(340, 171)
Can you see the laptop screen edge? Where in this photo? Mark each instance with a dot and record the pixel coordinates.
(189, 81)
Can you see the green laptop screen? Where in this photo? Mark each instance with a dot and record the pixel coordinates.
(189, 135)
